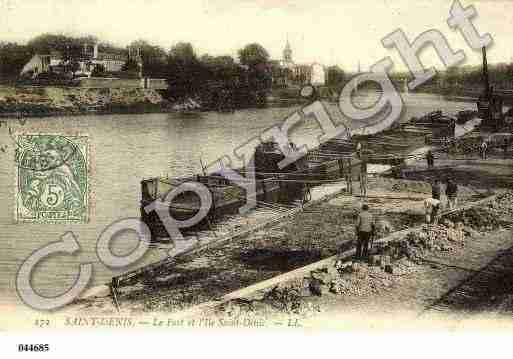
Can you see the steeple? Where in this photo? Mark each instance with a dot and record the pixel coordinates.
(287, 52)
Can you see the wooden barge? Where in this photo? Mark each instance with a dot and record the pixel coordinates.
(274, 187)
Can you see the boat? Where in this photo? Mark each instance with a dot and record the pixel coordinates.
(334, 160)
(274, 186)
(188, 108)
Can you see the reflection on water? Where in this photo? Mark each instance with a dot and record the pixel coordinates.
(124, 149)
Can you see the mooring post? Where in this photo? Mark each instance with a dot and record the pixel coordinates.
(113, 291)
(210, 226)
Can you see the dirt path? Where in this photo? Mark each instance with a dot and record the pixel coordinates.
(445, 290)
(322, 231)
(455, 282)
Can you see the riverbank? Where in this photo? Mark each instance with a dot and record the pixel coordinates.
(454, 274)
(21, 102)
(464, 94)
(38, 101)
(439, 277)
(321, 232)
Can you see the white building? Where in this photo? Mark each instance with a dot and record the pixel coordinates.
(90, 59)
(301, 74)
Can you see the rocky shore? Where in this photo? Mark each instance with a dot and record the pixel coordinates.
(21, 102)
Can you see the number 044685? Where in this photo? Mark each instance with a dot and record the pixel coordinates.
(33, 347)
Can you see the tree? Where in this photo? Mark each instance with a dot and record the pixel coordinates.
(183, 70)
(335, 76)
(12, 59)
(183, 53)
(452, 75)
(131, 66)
(256, 58)
(219, 68)
(154, 58)
(69, 47)
(253, 55)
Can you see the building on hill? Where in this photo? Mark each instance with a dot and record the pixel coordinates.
(287, 73)
(40, 63)
(92, 58)
(37, 64)
(108, 61)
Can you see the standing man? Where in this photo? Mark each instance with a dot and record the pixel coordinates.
(436, 189)
(505, 146)
(363, 178)
(365, 228)
(452, 128)
(349, 176)
(484, 147)
(359, 149)
(451, 191)
(430, 159)
(431, 207)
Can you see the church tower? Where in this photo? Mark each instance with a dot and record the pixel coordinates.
(287, 53)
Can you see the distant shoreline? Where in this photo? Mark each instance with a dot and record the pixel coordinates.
(43, 112)
(125, 110)
(20, 111)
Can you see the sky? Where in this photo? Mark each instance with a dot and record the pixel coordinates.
(331, 32)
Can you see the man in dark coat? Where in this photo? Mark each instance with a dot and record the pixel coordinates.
(451, 191)
(436, 189)
(430, 159)
(365, 229)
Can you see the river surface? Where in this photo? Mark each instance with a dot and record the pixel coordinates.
(123, 150)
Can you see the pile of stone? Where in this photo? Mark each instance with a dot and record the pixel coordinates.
(503, 205)
(361, 279)
(482, 219)
(387, 262)
(287, 297)
(487, 217)
(409, 186)
(238, 307)
(506, 198)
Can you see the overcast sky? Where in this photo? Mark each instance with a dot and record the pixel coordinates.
(328, 31)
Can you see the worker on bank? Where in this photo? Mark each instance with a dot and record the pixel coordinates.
(484, 148)
(431, 207)
(451, 191)
(430, 159)
(505, 146)
(349, 177)
(436, 189)
(365, 229)
(363, 178)
(359, 149)
(452, 128)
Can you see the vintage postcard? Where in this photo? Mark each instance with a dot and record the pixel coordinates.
(255, 165)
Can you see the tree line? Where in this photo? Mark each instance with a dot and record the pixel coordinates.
(188, 74)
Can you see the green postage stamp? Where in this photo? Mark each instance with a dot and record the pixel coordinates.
(52, 182)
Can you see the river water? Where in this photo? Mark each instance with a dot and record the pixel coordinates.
(123, 150)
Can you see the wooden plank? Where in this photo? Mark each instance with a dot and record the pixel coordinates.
(406, 198)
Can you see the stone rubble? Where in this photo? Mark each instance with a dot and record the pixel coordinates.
(389, 262)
